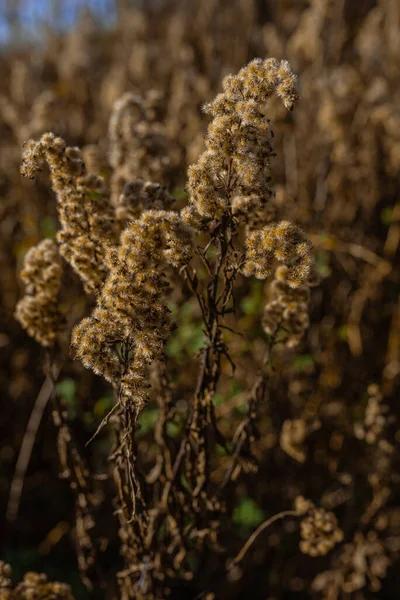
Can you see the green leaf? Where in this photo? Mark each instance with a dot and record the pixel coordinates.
(253, 303)
(180, 193)
(248, 513)
(303, 362)
(103, 405)
(387, 215)
(147, 420)
(173, 430)
(322, 263)
(48, 228)
(219, 399)
(66, 389)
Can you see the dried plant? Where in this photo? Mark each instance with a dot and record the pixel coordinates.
(221, 384)
(130, 324)
(34, 585)
(319, 529)
(38, 311)
(85, 217)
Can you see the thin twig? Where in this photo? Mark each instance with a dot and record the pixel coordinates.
(256, 533)
(103, 422)
(28, 442)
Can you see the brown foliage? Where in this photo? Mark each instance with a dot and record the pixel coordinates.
(230, 399)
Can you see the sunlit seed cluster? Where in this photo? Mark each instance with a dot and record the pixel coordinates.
(38, 311)
(319, 529)
(283, 242)
(128, 328)
(236, 163)
(87, 220)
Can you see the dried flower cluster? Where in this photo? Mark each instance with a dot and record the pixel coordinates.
(34, 586)
(129, 326)
(38, 310)
(318, 529)
(284, 242)
(287, 308)
(87, 220)
(236, 162)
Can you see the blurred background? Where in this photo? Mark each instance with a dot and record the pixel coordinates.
(63, 65)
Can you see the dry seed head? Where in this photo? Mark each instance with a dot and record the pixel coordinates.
(86, 217)
(284, 242)
(237, 159)
(38, 311)
(131, 311)
(319, 529)
(287, 308)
